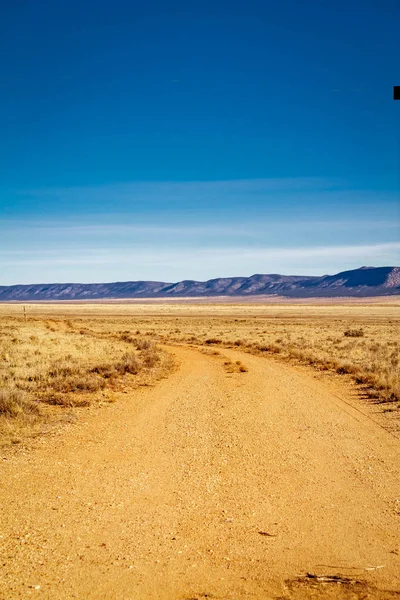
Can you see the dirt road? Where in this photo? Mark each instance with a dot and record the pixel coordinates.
(208, 485)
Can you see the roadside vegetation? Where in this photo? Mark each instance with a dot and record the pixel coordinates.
(361, 342)
(47, 365)
(68, 356)
(370, 353)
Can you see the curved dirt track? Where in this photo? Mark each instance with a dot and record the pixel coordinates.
(163, 495)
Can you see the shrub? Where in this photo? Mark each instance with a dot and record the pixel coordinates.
(129, 364)
(150, 358)
(106, 371)
(71, 377)
(78, 382)
(354, 333)
(144, 344)
(63, 400)
(13, 402)
(235, 367)
(346, 368)
(269, 348)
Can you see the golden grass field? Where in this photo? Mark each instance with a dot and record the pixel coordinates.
(62, 356)
(47, 366)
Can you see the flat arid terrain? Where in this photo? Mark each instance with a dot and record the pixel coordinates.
(192, 450)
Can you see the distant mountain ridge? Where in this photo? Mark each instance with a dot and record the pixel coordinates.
(363, 282)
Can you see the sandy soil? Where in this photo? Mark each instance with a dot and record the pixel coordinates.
(208, 485)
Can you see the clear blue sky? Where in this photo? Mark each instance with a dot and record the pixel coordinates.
(172, 140)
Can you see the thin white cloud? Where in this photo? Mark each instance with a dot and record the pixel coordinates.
(120, 229)
(174, 264)
(166, 256)
(272, 184)
(233, 228)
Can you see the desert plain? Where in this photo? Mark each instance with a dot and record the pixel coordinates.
(200, 449)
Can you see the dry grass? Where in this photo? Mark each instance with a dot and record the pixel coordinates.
(13, 403)
(229, 365)
(46, 365)
(359, 341)
(370, 355)
(235, 367)
(354, 332)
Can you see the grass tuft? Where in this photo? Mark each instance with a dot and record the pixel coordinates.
(14, 402)
(354, 333)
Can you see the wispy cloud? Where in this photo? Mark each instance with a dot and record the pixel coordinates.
(199, 203)
(194, 196)
(230, 255)
(56, 229)
(165, 187)
(250, 227)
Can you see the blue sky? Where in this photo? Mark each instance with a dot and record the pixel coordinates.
(193, 140)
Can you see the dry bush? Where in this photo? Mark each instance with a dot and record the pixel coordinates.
(150, 358)
(274, 348)
(192, 339)
(129, 363)
(354, 333)
(142, 344)
(72, 377)
(235, 367)
(210, 352)
(14, 402)
(64, 400)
